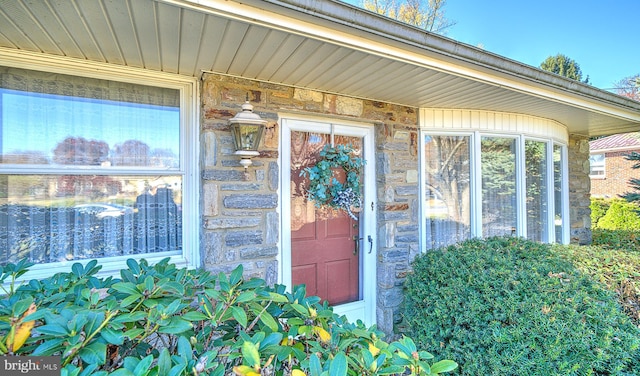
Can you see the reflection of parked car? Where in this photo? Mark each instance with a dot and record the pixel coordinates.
(436, 209)
(104, 210)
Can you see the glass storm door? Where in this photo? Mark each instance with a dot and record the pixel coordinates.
(328, 251)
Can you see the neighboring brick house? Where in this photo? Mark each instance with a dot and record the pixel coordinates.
(115, 141)
(610, 171)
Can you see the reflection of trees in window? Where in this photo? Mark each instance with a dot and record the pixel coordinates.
(80, 151)
(25, 157)
(447, 178)
(130, 153)
(536, 186)
(557, 185)
(498, 186)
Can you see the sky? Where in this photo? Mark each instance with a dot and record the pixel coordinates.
(602, 36)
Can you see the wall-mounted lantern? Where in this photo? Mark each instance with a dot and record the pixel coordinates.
(246, 128)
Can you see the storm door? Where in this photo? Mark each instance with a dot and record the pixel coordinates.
(327, 250)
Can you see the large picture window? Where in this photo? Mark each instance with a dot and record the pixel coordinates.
(89, 168)
(482, 185)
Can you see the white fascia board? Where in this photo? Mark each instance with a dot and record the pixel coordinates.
(475, 65)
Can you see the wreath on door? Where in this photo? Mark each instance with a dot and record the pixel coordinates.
(325, 190)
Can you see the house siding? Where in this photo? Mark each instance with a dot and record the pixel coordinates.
(618, 171)
(240, 218)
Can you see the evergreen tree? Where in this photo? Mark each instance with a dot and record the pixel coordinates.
(633, 182)
(564, 66)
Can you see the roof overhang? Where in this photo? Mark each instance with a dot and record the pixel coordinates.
(322, 45)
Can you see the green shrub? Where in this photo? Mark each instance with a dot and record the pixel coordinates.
(618, 269)
(507, 306)
(160, 320)
(621, 215)
(616, 239)
(599, 207)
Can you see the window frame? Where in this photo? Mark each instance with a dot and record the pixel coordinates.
(476, 182)
(188, 88)
(599, 167)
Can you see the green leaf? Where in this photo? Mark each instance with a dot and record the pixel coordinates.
(130, 300)
(250, 354)
(444, 366)
(176, 325)
(184, 348)
(133, 333)
(149, 283)
(53, 330)
(194, 316)
(121, 372)
(314, 365)
(338, 365)
(277, 298)
(300, 309)
(77, 269)
(174, 287)
(239, 315)
(94, 320)
(143, 367)
(49, 347)
(271, 339)
(126, 288)
(130, 317)
(133, 265)
(236, 275)
(94, 353)
(269, 321)
(21, 306)
(245, 296)
(112, 336)
(164, 362)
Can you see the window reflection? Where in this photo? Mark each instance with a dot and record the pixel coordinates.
(447, 203)
(89, 217)
(498, 159)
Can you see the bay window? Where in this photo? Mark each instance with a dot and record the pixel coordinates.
(491, 183)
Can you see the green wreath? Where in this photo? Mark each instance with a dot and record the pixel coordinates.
(325, 190)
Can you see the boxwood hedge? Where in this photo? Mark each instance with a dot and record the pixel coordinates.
(508, 306)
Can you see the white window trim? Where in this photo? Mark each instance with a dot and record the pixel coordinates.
(189, 151)
(600, 167)
(475, 184)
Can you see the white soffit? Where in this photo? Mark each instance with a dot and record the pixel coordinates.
(316, 44)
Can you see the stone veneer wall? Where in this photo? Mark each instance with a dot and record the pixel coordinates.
(579, 188)
(241, 224)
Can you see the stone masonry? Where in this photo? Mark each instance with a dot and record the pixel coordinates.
(579, 190)
(240, 218)
(240, 221)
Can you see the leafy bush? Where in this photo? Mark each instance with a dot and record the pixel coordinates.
(507, 306)
(618, 269)
(616, 239)
(599, 207)
(160, 320)
(621, 215)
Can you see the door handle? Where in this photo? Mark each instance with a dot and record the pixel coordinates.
(370, 240)
(356, 239)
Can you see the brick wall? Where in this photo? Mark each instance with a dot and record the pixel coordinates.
(240, 221)
(618, 171)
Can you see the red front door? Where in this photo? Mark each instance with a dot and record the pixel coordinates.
(324, 254)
